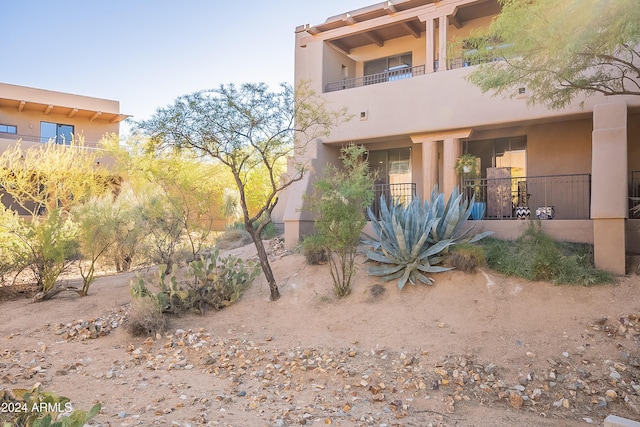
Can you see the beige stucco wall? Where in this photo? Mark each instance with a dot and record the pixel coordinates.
(91, 117)
(28, 123)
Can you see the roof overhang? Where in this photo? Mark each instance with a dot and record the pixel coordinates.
(388, 20)
(22, 105)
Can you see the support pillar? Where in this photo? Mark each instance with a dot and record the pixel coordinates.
(609, 206)
(451, 150)
(429, 167)
(430, 46)
(442, 42)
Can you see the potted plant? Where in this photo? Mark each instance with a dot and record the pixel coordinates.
(468, 167)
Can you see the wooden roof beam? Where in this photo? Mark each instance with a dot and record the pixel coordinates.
(411, 29)
(374, 38)
(95, 116)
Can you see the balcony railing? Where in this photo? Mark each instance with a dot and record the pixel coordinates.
(372, 79)
(33, 138)
(568, 195)
(634, 194)
(403, 192)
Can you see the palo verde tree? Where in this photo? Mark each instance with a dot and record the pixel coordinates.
(177, 197)
(341, 199)
(559, 50)
(245, 128)
(45, 182)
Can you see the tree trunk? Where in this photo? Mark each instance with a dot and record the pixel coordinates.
(264, 263)
(45, 296)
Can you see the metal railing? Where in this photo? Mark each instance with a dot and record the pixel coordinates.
(30, 138)
(569, 196)
(634, 194)
(33, 138)
(372, 79)
(403, 192)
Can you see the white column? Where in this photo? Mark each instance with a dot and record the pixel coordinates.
(429, 36)
(451, 150)
(429, 166)
(442, 42)
(609, 205)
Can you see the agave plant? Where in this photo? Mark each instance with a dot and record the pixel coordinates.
(413, 239)
(404, 248)
(453, 215)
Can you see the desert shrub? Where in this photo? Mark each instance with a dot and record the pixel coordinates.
(210, 281)
(233, 238)
(413, 239)
(52, 247)
(40, 408)
(44, 245)
(268, 232)
(466, 257)
(314, 250)
(537, 256)
(128, 229)
(145, 317)
(13, 251)
(340, 201)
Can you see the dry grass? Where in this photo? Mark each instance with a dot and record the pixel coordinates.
(145, 317)
(232, 239)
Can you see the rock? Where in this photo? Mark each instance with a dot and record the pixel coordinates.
(515, 400)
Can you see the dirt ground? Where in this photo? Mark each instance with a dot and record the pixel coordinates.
(475, 349)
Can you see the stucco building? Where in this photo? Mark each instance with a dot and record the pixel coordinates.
(389, 64)
(36, 116)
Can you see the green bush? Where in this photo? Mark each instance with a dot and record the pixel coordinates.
(314, 250)
(466, 257)
(341, 198)
(13, 251)
(268, 232)
(42, 409)
(209, 281)
(52, 246)
(537, 256)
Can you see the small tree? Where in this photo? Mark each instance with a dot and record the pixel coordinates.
(46, 182)
(97, 223)
(560, 49)
(13, 250)
(126, 225)
(245, 129)
(341, 199)
(177, 197)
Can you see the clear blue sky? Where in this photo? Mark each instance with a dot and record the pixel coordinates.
(145, 53)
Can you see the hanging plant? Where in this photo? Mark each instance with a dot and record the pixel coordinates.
(467, 166)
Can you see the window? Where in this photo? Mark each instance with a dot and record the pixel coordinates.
(501, 153)
(8, 129)
(58, 133)
(391, 166)
(389, 68)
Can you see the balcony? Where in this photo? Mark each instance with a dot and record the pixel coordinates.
(404, 73)
(569, 196)
(372, 79)
(38, 139)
